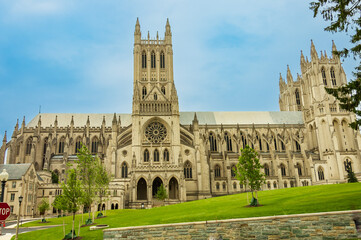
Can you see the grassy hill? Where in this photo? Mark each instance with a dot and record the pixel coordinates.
(276, 202)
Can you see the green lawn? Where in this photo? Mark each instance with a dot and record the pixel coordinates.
(276, 202)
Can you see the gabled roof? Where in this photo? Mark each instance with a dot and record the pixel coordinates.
(16, 171)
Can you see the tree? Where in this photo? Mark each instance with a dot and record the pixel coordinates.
(54, 177)
(103, 179)
(351, 177)
(161, 193)
(59, 203)
(345, 16)
(86, 167)
(248, 171)
(72, 196)
(43, 207)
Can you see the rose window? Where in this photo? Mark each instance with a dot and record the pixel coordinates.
(155, 132)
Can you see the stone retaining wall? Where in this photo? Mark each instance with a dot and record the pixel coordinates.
(330, 225)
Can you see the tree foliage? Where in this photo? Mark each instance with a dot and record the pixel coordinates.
(103, 179)
(248, 170)
(345, 16)
(351, 177)
(43, 207)
(54, 177)
(86, 167)
(161, 193)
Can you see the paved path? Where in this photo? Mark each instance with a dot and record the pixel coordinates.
(10, 229)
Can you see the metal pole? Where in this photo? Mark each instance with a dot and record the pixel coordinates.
(2, 190)
(17, 224)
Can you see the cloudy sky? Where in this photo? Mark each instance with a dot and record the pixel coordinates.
(76, 56)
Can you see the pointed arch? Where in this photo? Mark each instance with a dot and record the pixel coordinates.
(95, 144)
(29, 143)
(323, 73)
(299, 169)
(217, 171)
(228, 139)
(77, 145)
(297, 146)
(155, 96)
(233, 171)
(163, 90)
(188, 170)
(156, 155)
(162, 60)
(213, 142)
(321, 175)
(152, 60)
(142, 189)
(61, 145)
(144, 92)
(283, 170)
(173, 188)
(144, 59)
(157, 182)
(243, 139)
(166, 155)
(266, 169)
(124, 170)
(298, 98)
(146, 155)
(333, 76)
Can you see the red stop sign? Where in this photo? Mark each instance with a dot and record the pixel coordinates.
(4, 211)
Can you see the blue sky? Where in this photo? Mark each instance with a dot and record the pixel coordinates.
(77, 56)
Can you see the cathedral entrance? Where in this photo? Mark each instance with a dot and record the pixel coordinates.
(156, 184)
(142, 189)
(173, 188)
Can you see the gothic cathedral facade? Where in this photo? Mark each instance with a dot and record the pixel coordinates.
(193, 154)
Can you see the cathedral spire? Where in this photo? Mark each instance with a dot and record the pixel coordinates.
(334, 50)
(168, 33)
(314, 56)
(137, 33)
(302, 58)
(289, 75)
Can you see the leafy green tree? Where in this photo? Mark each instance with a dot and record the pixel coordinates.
(103, 179)
(43, 207)
(345, 16)
(54, 177)
(248, 171)
(86, 167)
(59, 203)
(351, 177)
(161, 193)
(72, 196)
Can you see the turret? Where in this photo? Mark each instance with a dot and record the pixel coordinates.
(289, 76)
(114, 123)
(137, 33)
(168, 33)
(314, 56)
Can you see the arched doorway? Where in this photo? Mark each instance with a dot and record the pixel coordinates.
(142, 189)
(173, 188)
(112, 207)
(103, 207)
(156, 184)
(116, 206)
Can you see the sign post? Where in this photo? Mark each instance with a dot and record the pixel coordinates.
(4, 214)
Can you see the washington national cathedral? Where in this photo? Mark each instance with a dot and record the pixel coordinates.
(193, 154)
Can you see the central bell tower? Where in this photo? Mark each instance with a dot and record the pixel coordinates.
(156, 148)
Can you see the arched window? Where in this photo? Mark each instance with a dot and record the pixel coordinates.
(213, 142)
(146, 155)
(267, 146)
(152, 60)
(162, 62)
(324, 76)
(283, 146)
(266, 169)
(95, 144)
(275, 143)
(61, 145)
(155, 96)
(29, 142)
(274, 185)
(217, 186)
(217, 171)
(333, 77)
(163, 90)
(187, 170)
(156, 155)
(228, 140)
(144, 59)
(285, 184)
(259, 142)
(144, 92)
(234, 185)
(244, 140)
(321, 175)
(299, 169)
(166, 155)
(233, 171)
(283, 170)
(298, 147)
(268, 185)
(224, 186)
(298, 99)
(124, 170)
(77, 145)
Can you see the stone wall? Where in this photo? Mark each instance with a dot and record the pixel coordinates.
(330, 225)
